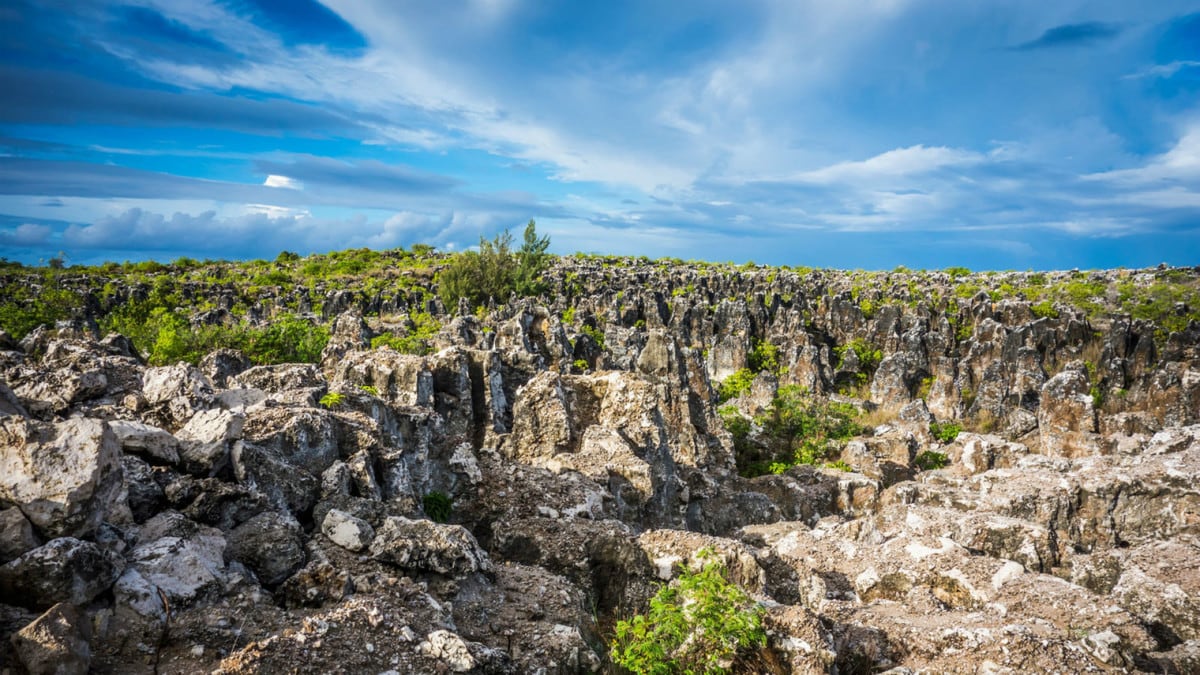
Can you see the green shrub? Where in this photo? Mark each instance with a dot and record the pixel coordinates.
(438, 506)
(931, 460)
(736, 384)
(797, 428)
(416, 341)
(868, 355)
(580, 364)
(26, 308)
(495, 271)
(1045, 310)
(839, 465)
(332, 400)
(596, 334)
(945, 432)
(288, 339)
(763, 356)
(369, 389)
(924, 387)
(699, 623)
(956, 272)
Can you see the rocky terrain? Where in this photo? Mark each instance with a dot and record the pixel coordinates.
(231, 517)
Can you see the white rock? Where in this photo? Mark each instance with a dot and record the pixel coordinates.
(143, 438)
(63, 477)
(448, 647)
(343, 529)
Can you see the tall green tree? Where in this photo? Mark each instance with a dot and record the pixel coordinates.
(532, 260)
(495, 272)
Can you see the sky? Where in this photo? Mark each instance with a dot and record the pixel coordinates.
(992, 134)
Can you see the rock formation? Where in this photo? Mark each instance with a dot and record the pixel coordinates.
(495, 505)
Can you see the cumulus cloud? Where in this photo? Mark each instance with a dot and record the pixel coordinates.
(25, 234)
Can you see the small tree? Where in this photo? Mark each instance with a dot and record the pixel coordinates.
(531, 262)
(494, 271)
(700, 623)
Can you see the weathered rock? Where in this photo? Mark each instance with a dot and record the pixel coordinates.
(280, 378)
(63, 570)
(538, 617)
(54, 643)
(206, 439)
(62, 476)
(343, 529)
(401, 379)
(450, 649)
(426, 546)
(975, 453)
(285, 485)
(178, 392)
(269, 544)
(10, 405)
(1066, 417)
(16, 535)
(222, 364)
(303, 437)
(146, 440)
(182, 559)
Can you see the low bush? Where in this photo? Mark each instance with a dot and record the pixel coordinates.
(931, 460)
(699, 623)
(438, 506)
(945, 432)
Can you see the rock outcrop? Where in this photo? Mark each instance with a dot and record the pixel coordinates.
(497, 504)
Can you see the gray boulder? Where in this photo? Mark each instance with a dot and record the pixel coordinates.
(63, 570)
(63, 477)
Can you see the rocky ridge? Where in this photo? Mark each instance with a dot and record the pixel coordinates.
(218, 517)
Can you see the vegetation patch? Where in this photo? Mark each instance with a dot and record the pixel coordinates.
(699, 623)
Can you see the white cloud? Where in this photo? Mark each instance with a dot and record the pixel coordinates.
(276, 181)
(1180, 163)
(898, 163)
(25, 234)
(1164, 71)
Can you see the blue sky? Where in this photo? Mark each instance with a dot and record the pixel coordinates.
(996, 134)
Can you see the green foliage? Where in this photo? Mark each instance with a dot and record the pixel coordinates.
(596, 334)
(839, 465)
(966, 290)
(699, 623)
(945, 432)
(27, 307)
(580, 364)
(763, 356)
(273, 278)
(568, 317)
(332, 400)
(1045, 310)
(532, 260)
(288, 339)
(495, 272)
(736, 384)
(931, 460)
(369, 389)
(1097, 394)
(797, 428)
(956, 272)
(438, 506)
(868, 355)
(924, 387)
(416, 340)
